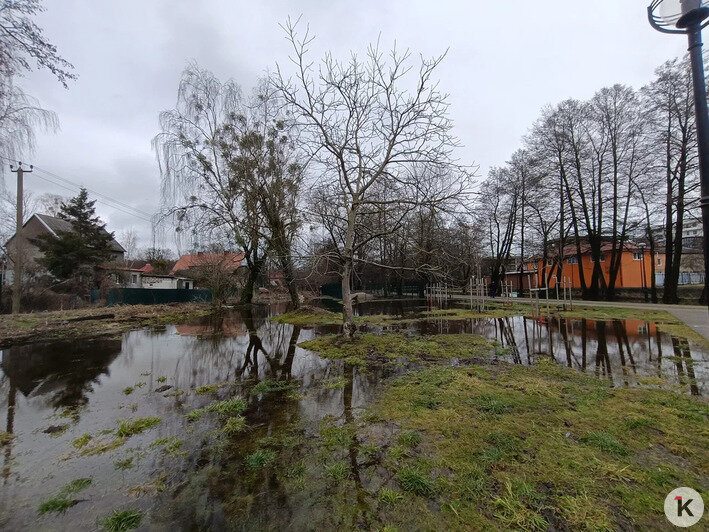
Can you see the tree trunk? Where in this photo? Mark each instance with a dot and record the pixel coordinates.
(348, 325)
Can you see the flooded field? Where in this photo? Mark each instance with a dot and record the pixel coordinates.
(180, 424)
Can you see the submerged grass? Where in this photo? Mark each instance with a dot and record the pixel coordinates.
(63, 499)
(514, 447)
(130, 427)
(229, 407)
(365, 347)
(120, 521)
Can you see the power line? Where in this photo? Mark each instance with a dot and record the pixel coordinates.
(107, 200)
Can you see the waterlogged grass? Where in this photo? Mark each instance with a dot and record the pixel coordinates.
(230, 407)
(367, 347)
(5, 438)
(514, 447)
(81, 441)
(131, 427)
(171, 445)
(63, 499)
(120, 521)
(337, 471)
(260, 459)
(234, 425)
(309, 316)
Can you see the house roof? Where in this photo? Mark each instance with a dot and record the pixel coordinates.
(55, 225)
(228, 261)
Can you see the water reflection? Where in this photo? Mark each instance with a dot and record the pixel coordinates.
(38, 383)
(620, 351)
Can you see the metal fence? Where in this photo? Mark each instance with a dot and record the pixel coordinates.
(152, 296)
(685, 278)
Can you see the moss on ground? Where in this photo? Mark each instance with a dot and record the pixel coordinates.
(371, 347)
(538, 447)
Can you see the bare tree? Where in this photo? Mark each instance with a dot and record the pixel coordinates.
(20, 115)
(22, 41)
(376, 146)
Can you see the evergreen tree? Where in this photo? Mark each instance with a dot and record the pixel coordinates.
(87, 245)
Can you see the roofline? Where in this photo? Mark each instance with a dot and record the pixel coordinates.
(39, 217)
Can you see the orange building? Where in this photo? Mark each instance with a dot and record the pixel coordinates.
(634, 264)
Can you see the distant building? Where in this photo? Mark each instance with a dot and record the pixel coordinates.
(190, 263)
(634, 262)
(43, 224)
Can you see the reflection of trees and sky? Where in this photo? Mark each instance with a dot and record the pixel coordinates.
(52, 394)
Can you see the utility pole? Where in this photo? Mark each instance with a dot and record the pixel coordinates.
(19, 242)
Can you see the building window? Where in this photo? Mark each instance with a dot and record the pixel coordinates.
(637, 256)
(659, 262)
(134, 278)
(572, 260)
(603, 258)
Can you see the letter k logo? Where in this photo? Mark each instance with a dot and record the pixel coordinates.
(683, 507)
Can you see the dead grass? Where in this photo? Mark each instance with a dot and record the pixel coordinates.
(110, 321)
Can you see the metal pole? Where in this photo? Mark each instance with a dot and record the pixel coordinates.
(694, 33)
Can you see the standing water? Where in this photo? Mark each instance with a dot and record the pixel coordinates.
(96, 426)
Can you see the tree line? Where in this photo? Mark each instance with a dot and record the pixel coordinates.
(620, 166)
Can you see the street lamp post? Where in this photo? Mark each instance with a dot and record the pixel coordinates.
(690, 17)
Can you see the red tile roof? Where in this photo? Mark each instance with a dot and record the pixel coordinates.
(229, 261)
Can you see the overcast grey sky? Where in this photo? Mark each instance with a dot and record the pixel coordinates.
(506, 60)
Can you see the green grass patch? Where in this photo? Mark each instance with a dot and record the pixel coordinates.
(207, 389)
(410, 438)
(81, 441)
(515, 447)
(338, 470)
(334, 437)
(389, 497)
(63, 499)
(128, 390)
(130, 427)
(605, 442)
(336, 383)
(260, 459)
(120, 521)
(234, 425)
(392, 346)
(416, 481)
(170, 445)
(123, 465)
(229, 408)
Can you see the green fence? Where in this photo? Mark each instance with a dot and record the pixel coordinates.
(153, 296)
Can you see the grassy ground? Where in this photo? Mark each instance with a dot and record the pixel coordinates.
(374, 348)
(483, 447)
(533, 447)
(91, 322)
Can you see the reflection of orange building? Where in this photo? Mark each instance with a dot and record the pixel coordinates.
(634, 262)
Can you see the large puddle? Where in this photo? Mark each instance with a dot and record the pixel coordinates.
(181, 473)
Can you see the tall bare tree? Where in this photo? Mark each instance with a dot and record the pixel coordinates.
(376, 144)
